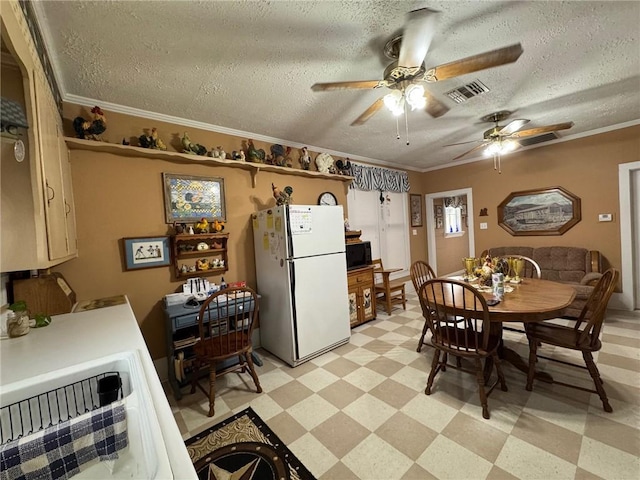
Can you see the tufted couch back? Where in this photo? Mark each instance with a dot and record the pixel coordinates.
(561, 264)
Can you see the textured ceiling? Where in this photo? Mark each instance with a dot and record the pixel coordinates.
(249, 66)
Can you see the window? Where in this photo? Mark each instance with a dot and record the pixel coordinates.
(453, 221)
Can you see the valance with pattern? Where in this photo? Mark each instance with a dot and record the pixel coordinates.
(377, 178)
(454, 202)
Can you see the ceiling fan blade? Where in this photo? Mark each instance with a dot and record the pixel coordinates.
(416, 38)
(369, 112)
(513, 126)
(477, 147)
(463, 143)
(494, 58)
(434, 107)
(363, 84)
(538, 130)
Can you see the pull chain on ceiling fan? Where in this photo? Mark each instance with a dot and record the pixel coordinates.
(500, 140)
(406, 76)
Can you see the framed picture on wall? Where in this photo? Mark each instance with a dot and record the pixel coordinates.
(416, 210)
(438, 222)
(187, 198)
(438, 211)
(146, 252)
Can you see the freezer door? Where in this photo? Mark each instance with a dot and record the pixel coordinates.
(314, 230)
(321, 302)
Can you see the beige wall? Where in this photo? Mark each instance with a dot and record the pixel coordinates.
(117, 197)
(586, 167)
(120, 197)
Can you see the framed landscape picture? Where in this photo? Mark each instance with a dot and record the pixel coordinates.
(548, 211)
(187, 198)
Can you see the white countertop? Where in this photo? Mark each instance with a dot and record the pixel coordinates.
(74, 338)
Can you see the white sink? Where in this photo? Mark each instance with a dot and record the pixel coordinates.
(146, 456)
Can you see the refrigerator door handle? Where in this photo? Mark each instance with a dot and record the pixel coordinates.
(289, 247)
(292, 276)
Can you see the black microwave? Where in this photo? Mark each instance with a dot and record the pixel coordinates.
(358, 254)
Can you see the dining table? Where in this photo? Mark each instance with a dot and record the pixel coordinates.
(530, 300)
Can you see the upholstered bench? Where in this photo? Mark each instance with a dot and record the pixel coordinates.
(577, 266)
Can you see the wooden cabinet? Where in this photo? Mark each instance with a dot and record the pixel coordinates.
(199, 254)
(37, 218)
(362, 299)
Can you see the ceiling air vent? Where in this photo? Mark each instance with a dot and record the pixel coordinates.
(465, 92)
(547, 137)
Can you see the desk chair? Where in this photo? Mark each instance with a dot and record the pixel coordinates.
(421, 272)
(583, 338)
(225, 324)
(390, 292)
(443, 299)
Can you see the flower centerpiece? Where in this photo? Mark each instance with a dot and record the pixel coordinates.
(489, 267)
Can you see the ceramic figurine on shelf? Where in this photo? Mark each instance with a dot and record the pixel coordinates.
(324, 163)
(283, 197)
(91, 130)
(254, 154)
(218, 152)
(277, 154)
(343, 167)
(202, 264)
(237, 155)
(288, 161)
(192, 148)
(151, 141)
(217, 226)
(190, 230)
(305, 159)
(242, 158)
(202, 226)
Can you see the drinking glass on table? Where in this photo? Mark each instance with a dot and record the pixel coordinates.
(469, 267)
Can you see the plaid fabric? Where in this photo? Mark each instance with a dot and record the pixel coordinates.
(63, 450)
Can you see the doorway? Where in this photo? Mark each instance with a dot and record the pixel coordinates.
(430, 202)
(629, 187)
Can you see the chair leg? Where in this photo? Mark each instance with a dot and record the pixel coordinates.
(503, 383)
(212, 387)
(194, 375)
(533, 357)
(404, 299)
(595, 375)
(481, 392)
(432, 373)
(424, 333)
(252, 371)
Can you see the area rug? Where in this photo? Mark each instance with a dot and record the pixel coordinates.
(243, 447)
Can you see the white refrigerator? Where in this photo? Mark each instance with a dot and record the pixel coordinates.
(301, 272)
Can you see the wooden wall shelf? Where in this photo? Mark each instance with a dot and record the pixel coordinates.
(253, 168)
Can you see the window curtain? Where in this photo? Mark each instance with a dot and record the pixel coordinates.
(377, 178)
(454, 202)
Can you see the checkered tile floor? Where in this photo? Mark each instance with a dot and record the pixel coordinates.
(360, 411)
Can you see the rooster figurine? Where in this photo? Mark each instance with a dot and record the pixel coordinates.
(91, 130)
(253, 154)
(283, 197)
(190, 147)
(202, 226)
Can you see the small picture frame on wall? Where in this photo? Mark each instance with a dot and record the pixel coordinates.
(438, 222)
(416, 210)
(146, 252)
(438, 211)
(463, 210)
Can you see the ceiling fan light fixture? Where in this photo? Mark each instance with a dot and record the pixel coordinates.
(394, 102)
(414, 95)
(508, 146)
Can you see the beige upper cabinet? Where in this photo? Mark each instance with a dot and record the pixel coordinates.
(37, 220)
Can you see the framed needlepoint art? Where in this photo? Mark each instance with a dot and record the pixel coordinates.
(416, 210)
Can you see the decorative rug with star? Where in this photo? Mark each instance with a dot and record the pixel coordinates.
(243, 447)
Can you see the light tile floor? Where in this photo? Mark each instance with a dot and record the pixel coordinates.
(360, 410)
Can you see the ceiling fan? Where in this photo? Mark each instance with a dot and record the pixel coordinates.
(406, 75)
(499, 140)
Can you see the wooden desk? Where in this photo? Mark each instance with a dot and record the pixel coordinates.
(533, 300)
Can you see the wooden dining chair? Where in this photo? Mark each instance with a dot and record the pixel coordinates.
(389, 292)
(583, 336)
(472, 338)
(225, 324)
(420, 272)
(531, 270)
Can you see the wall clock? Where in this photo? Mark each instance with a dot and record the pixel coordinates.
(327, 198)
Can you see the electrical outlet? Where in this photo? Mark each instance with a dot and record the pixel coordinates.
(483, 226)
(604, 217)
(414, 231)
